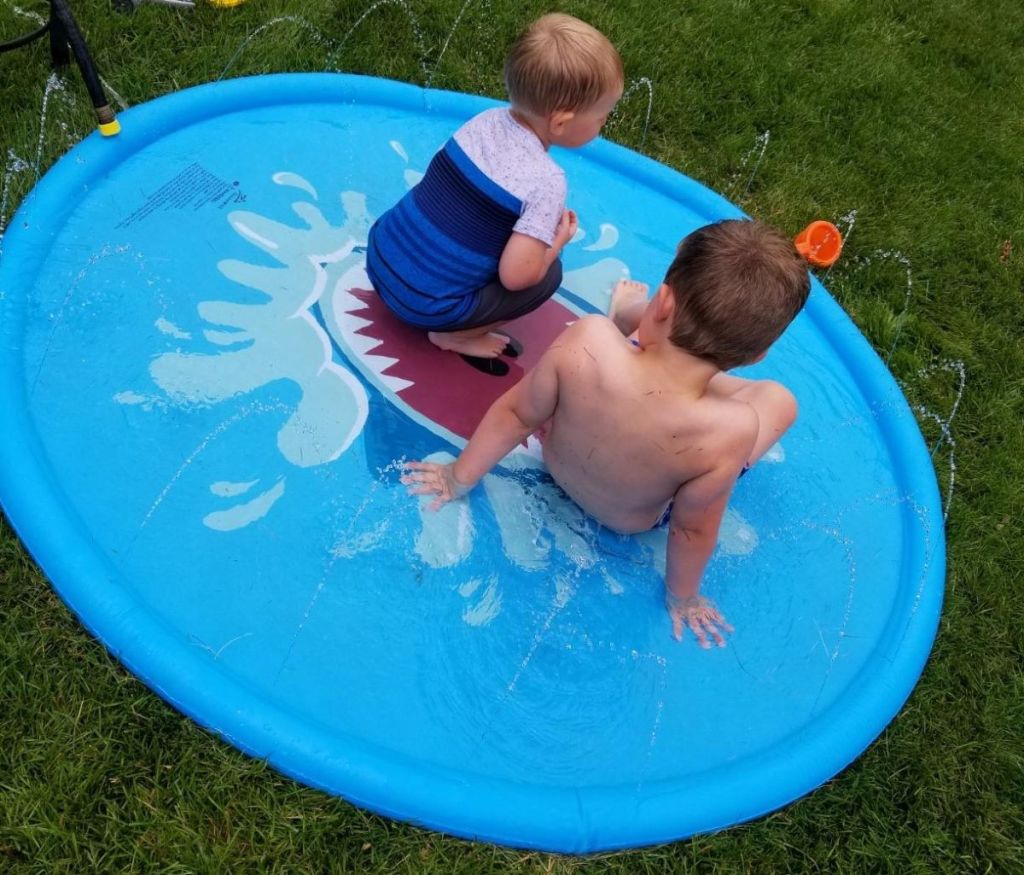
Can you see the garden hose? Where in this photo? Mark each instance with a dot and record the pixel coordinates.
(66, 40)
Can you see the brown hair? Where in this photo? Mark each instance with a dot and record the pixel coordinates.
(560, 62)
(737, 285)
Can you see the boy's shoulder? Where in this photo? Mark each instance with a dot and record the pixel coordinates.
(488, 119)
(496, 140)
(735, 422)
(592, 341)
(590, 323)
(593, 326)
(494, 124)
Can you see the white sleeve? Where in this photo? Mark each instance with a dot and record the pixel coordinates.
(543, 208)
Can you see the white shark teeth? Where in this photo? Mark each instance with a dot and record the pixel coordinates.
(347, 303)
(361, 343)
(395, 384)
(354, 323)
(379, 364)
(345, 309)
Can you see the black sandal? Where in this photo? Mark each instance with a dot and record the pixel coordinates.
(513, 348)
(493, 367)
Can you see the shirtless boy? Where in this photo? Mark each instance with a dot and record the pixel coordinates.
(635, 431)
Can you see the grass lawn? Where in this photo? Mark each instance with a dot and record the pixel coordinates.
(904, 118)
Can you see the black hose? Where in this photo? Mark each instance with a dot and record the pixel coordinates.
(62, 19)
(65, 36)
(25, 40)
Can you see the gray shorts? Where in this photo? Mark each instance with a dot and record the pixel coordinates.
(495, 303)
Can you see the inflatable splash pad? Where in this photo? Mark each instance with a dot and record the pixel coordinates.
(206, 412)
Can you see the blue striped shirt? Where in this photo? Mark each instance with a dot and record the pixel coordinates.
(430, 253)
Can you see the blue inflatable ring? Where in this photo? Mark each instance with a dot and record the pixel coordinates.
(204, 419)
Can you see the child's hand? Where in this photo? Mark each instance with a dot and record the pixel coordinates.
(429, 478)
(700, 614)
(568, 225)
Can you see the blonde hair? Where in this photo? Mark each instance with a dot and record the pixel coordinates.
(737, 285)
(561, 63)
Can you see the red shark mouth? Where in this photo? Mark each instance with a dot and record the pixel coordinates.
(439, 385)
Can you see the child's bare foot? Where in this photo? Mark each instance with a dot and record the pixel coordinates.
(486, 346)
(629, 298)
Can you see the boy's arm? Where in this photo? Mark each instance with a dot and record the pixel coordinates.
(697, 512)
(510, 420)
(692, 535)
(525, 259)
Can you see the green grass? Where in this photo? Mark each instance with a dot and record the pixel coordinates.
(909, 113)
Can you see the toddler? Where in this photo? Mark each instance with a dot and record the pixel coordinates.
(476, 242)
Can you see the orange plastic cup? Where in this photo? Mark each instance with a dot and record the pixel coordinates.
(820, 243)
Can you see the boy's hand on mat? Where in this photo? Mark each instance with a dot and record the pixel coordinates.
(700, 615)
(429, 478)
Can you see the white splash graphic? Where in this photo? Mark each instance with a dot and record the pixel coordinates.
(411, 175)
(278, 339)
(227, 490)
(399, 150)
(609, 237)
(245, 513)
(165, 326)
(295, 181)
(131, 398)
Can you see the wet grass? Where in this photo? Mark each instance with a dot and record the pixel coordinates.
(908, 114)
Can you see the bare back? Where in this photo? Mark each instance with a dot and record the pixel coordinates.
(623, 440)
